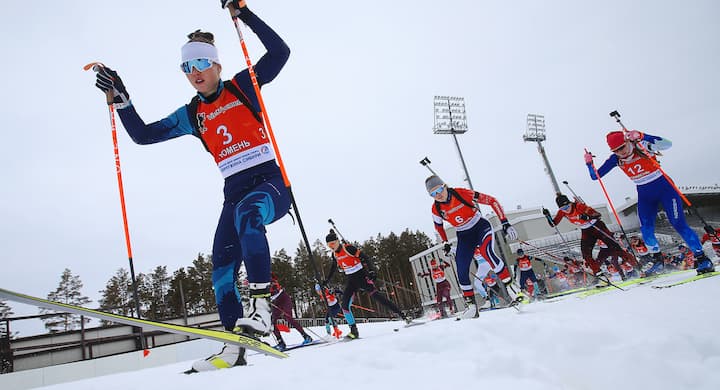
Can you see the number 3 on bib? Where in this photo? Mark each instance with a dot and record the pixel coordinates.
(223, 131)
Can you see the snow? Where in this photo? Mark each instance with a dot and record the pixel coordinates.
(641, 338)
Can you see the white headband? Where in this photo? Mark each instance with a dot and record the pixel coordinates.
(195, 50)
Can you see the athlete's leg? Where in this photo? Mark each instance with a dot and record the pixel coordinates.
(226, 259)
(647, 205)
(588, 237)
(673, 205)
(260, 206)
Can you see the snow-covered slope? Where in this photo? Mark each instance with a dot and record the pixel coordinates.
(643, 338)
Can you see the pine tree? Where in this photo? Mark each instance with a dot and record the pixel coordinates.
(68, 292)
(154, 299)
(5, 312)
(200, 292)
(117, 295)
(5, 352)
(177, 294)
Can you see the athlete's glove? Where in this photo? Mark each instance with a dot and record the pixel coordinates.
(709, 230)
(509, 231)
(549, 217)
(584, 217)
(372, 275)
(634, 135)
(108, 80)
(447, 248)
(237, 4)
(588, 158)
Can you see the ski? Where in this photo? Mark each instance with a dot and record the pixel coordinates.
(411, 324)
(688, 280)
(301, 345)
(242, 340)
(628, 283)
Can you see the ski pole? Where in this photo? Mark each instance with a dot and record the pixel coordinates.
(602, 185)
(363, 308)
(273, 141)
(616, 116)
(573, 192)
(386, 283)
(95, 67)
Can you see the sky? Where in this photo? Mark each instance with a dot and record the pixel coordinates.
(352, 112)
(640, 338)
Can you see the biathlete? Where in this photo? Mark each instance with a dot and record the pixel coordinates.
(634, 153)
(333, 308)
(442, 285)
(457, 207)
(528, 279)
(282, 310)
(353, 263)
(592, 229)
(224, 116)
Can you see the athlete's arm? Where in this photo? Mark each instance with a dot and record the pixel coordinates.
(654, 143)
(481, 198)
(438, 222)
(174, 125)
(607, 166)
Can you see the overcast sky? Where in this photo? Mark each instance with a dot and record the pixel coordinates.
(352, 112)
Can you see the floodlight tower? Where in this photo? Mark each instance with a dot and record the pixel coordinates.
(450, 118)
(536, 133)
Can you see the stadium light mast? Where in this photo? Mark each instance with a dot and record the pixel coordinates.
(536, 133)
(450, 118)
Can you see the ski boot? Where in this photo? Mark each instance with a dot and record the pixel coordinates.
(407, 319)
(280, 346)
(257, 321)
(471, 311)
(306, 339)
(656, 266)
(336, 332)
(704, 265)
(354, 334)
(230, 356)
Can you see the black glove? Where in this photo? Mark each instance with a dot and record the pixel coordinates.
(709, 230)
(549, 218)
(372, 275)
(234, 3)
(108, 80)
(509, 231)
(447, 248)
(584, 217)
